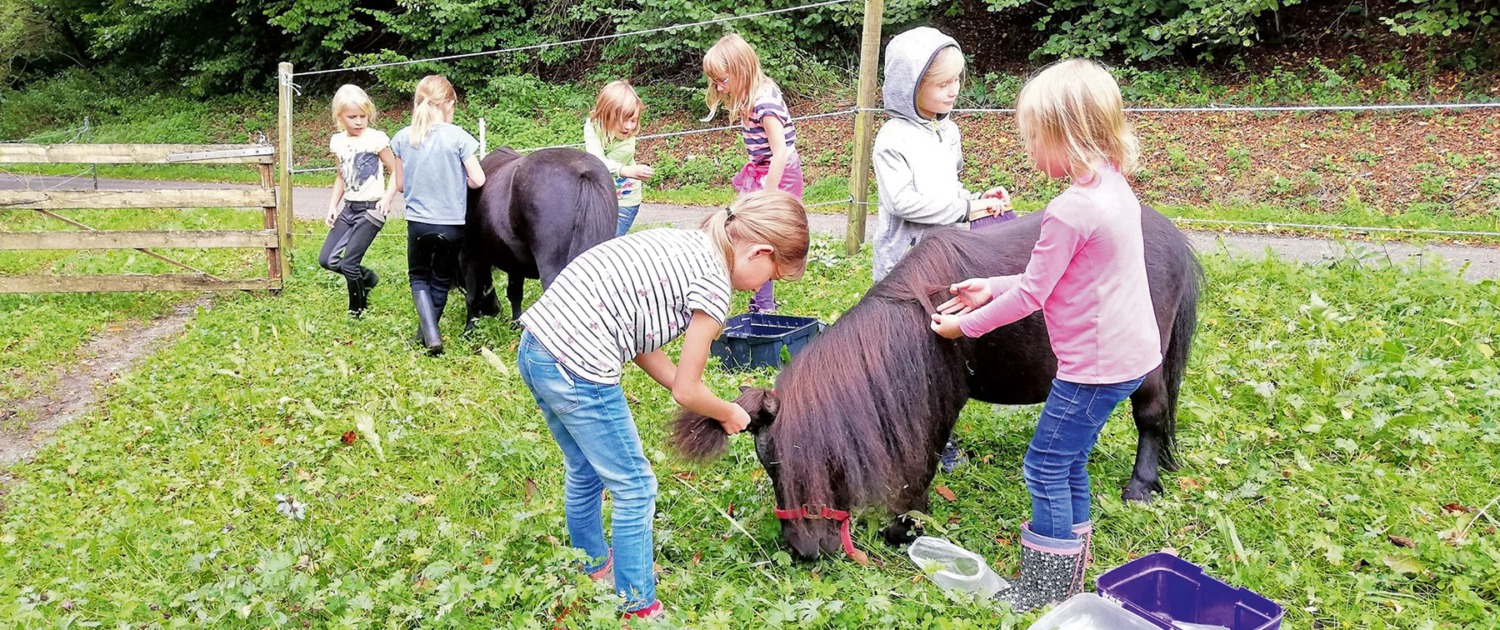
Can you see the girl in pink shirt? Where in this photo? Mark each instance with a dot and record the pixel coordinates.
(1087, 274)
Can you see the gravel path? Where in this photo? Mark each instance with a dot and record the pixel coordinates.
(1477, 262)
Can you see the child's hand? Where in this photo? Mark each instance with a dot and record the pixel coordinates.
(333, 216)
(637, 171)
(382, 207)
(1000, 193)
(985, 207)
(737, 421)
(968, 295)
(946, 326)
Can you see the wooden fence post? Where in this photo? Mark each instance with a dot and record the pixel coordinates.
(864, 125)
(284, 142)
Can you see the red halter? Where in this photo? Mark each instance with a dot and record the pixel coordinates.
(823, 511)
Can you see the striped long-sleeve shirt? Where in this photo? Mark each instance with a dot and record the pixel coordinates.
(628, 296)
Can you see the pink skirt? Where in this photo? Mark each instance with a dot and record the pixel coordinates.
(753, 177)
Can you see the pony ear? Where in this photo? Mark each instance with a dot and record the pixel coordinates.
(763, 406)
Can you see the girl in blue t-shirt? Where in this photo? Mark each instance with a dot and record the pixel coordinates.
(439, 164)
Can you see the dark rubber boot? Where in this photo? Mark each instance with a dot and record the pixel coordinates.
(1049, 568)
(359, 297)
(427, 322)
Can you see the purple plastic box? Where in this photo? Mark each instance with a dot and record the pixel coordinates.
(1164, 588)
(986, 222)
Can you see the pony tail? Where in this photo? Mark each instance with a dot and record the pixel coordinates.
(432, 93)
(717, 227)
(699, 439)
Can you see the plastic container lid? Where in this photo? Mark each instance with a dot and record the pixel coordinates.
(954, 567)
(1175, 593)
(1087, 611)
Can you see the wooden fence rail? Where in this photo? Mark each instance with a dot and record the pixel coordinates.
(274, 238)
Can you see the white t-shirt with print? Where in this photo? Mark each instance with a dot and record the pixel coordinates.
(359, 163)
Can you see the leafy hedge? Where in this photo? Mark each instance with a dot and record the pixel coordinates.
(226, 45)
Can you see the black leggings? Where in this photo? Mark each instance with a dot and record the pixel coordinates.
(350, 238)
(432, 258)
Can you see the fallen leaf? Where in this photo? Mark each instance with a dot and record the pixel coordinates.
(1458, 508)
(1402, 541)
(530, 490)
(1189, 484)
(487, 561)
(366, 426)
(495, 361)
(349, 437)
(303, 475)
(944, 492)
(1403, 564)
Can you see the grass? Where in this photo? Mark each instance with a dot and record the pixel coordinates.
(41, 332)
(1338, 434)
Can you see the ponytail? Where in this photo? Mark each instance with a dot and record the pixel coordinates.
(434, 96)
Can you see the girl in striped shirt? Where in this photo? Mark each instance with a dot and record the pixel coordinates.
(622, 301)
(754, 101)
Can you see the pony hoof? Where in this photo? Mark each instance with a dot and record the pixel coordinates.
(1140, 491)
(901, 532)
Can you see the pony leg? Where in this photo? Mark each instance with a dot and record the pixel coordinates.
(1153, 411)
(515, 287)
(904, 529)
(479, 289)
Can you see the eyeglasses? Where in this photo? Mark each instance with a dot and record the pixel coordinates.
(721, 81)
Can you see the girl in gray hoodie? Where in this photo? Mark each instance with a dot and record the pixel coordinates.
(917, 153)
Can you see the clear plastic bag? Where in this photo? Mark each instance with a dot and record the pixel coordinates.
(953, 567)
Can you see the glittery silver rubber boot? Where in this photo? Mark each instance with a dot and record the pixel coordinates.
(1049, 572)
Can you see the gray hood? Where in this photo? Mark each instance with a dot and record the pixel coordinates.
(906, 60)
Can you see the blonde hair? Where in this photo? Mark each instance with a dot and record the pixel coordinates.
(617, 102)
(773, 217)
(433, 100)
(947, 65)
(1075, 106)
(351, 95)
(733, 58)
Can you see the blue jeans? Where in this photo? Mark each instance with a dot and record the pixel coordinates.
(627, 218)
(601, 449)
(1056, 463)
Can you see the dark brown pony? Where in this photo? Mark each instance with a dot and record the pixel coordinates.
(860, 417)
(534, 215)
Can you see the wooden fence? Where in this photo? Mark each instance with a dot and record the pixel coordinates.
(275, 238)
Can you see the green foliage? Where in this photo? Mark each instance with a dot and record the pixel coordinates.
(1146, 29)
(1441, 18)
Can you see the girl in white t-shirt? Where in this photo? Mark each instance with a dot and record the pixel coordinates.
(361, 197)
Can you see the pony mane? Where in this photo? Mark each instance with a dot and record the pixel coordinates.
(854, 404)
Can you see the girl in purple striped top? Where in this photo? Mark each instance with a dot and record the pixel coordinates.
(754, 101)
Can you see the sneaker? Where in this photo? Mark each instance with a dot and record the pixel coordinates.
(653, 611)
(953, 459)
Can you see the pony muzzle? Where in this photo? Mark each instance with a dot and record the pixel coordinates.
(821, 511)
